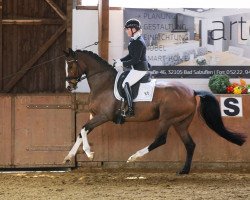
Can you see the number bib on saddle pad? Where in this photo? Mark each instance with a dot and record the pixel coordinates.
(143, 90)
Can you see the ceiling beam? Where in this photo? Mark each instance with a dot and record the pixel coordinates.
(56, 9)
(31, 21)
(95, 8)
(103, 29)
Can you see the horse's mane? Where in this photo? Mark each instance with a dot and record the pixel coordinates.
(95, 56)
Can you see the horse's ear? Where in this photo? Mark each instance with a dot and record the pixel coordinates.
(71, 52)
(66, 53)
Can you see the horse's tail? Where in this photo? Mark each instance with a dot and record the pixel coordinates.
(210, 112)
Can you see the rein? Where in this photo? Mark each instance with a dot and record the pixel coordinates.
(95, 43)
(81, 77)
(41, 64)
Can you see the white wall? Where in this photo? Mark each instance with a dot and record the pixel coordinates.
(85, 31)
(116, 33)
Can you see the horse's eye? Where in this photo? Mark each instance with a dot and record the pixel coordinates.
(70, 67)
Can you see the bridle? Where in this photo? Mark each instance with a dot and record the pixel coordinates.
(80, 76)
(76, 78)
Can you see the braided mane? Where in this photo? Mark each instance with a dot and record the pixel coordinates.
(95, 56)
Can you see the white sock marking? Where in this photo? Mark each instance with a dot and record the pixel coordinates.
(85, 144)
(76, 146)
(138, 154)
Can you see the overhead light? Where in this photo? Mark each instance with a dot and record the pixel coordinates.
(200, 10)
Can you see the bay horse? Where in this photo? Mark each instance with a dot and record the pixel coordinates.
(173, 104)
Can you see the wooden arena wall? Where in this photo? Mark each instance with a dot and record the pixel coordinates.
(114, 144)
(33, 37)
(39, 122)
(38, 131)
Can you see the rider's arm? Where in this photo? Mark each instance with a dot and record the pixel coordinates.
(134, 54)
(126, 58)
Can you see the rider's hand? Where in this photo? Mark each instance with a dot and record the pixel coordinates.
(118, 65)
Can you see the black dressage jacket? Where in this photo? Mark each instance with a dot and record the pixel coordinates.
(137, 55)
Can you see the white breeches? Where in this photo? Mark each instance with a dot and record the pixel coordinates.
(133, 77)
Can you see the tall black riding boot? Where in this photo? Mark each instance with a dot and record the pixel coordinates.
(129, 98)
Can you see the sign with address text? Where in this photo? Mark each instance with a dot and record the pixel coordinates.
(199, 72)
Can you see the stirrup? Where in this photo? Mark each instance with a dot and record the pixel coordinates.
(123, 113)
(130, 113)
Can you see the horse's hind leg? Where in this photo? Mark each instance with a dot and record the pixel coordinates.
(159, 140)
(182, 130)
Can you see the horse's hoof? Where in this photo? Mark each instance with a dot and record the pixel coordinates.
(90, 155)
(68, 159)
(183, 172)
(131, 159)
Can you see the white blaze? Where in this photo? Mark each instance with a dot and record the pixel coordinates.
(66, 71)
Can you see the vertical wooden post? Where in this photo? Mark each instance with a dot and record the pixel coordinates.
(15, 65)
(1, 47)
(69, 24)
(79, 2)
(103, 27)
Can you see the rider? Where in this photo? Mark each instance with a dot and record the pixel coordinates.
(136, 61)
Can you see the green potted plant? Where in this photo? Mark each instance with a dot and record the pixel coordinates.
(218, 83)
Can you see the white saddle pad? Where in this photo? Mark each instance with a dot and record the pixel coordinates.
(145, 93)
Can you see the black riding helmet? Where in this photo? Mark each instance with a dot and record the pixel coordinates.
(133, 23)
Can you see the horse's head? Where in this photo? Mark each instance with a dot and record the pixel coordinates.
(81, 62)
(73, 70)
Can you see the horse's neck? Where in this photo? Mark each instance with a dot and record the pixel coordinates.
(99, 76)
(101, 81)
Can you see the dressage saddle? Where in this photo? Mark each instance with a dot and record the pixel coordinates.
(135, 87)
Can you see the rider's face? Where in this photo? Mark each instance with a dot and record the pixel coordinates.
(130, 31)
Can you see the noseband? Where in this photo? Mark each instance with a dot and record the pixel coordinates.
(77, 78)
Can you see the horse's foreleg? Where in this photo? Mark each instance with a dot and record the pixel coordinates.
(82, 138)
(73, 151)
(85, 143)
(87, 128)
